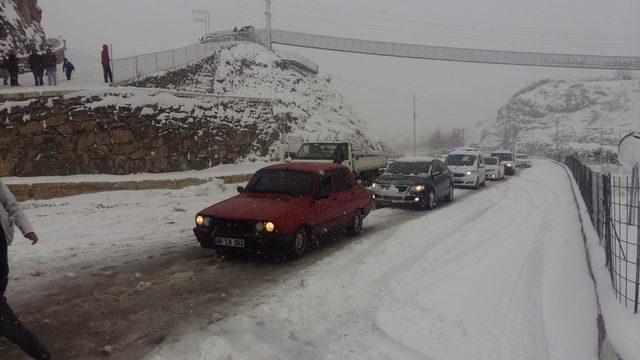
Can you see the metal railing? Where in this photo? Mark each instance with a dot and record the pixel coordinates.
(298, 60)
(136, 67)
(614, 207)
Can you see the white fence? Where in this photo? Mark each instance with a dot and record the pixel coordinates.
(139, 66)
(143, 65)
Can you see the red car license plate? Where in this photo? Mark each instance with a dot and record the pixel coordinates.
(229, 242)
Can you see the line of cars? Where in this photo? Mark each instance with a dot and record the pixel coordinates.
(285, 207)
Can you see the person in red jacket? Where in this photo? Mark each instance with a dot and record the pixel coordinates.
(106, 64)
(51, 66)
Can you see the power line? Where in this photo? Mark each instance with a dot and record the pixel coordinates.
(587, 36)
(245, 6)
(403, 97)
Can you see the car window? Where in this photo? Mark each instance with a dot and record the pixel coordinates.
(284, 182)
(439, 167)
(341, 180)
(460, 160)
(409, 168)
(325, 187)
(491, 161)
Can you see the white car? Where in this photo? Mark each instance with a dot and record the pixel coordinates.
(508, 159)
(494, 169)
(522, 160)
(467, 166)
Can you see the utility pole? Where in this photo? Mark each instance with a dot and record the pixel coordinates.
(267, 13)
(414, 123)
(557, 136)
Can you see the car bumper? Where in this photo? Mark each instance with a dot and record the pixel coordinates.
(252, 243)
(465, 181)
(400, 199)
(492, 176)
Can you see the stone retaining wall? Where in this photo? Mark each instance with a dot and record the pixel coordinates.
(75, 134)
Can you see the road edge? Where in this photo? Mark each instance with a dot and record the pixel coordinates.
(606, 350)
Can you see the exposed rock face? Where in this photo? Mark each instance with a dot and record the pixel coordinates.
(20, 29)
(586, 114)
(132, 133)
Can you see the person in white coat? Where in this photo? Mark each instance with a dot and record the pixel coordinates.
(11, 215)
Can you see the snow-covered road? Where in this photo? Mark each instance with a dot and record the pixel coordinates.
(498, 274)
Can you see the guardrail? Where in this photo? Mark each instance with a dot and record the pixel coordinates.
(136, 67)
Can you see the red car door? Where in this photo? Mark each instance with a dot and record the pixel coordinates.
(325, 206)
(347, 196)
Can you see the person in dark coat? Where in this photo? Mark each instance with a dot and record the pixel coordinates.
(11, 215)
(106, 64)
(68, 68)
(36, 64)
(13, 66)
(4, 64)
(51, 65)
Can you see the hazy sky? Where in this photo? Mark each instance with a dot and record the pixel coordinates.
(449, 94)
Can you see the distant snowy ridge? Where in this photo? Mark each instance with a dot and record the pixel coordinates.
(585, 112)
(315, 110)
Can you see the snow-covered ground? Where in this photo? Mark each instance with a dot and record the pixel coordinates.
(498, 274)
(210, 173)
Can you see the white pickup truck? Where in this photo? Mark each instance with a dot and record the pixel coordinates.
(365, 167)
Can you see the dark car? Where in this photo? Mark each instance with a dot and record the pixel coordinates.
(419, 181)
(283, 207)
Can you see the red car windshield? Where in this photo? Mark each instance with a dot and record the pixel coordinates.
(282, 182)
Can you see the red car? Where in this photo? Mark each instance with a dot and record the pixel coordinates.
(283, 207)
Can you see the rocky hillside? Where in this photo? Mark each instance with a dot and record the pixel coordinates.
(20, 29)
(316, 111)
(585, 113)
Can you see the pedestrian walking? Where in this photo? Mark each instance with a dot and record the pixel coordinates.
(10, 326)
(106, 64)
(36, 63)
(68, 68)
(51, 66)
(13, 65)
(4, 71)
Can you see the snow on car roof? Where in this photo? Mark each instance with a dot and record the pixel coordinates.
(414, 159)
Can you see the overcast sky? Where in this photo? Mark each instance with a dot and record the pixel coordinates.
(449, 94)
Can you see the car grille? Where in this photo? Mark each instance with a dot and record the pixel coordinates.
(394, 198)
(231, 228)
(400, 188)
(458, 175)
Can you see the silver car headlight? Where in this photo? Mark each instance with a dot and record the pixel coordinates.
(469, 173)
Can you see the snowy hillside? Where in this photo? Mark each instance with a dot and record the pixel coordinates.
(316, 110)
(20, 29)
(585, 112)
